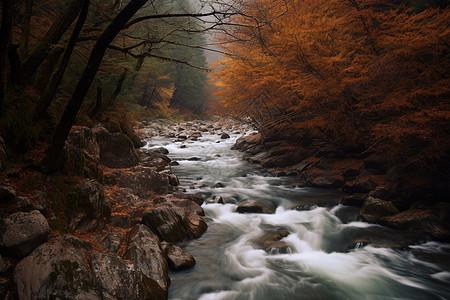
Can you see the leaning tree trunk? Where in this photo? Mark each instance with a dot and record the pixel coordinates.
(5, 41)
(53, 35)
(57, 76)
(54, 154)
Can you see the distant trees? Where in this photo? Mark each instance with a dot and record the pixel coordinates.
(358, 73)
(52, 52)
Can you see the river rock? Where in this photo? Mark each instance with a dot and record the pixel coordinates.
(224, 136)
(145, 182)
(89, 206)
(354, 200)
(373, 209)
(173, 180)
(174, 224)
(216, 199)
(122, 280)
(382, 192)
(279, 248)
(55, 270)
(267, 239)
(250, 143)
(144, 251)
(416, 219)
(177, 258)
(189, 205)
(253, 206)
(118, 152)
(23, 232)
(193, 197)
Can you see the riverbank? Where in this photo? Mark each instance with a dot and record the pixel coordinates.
(104, 227)
(386, 194)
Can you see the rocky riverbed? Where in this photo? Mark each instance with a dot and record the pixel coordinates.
(106, 227)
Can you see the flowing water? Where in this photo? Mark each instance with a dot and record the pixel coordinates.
(323, 253)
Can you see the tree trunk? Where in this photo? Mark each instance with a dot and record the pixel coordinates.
(53, 35)
(57, 76)
(54, 154)
(25, 34)
(5, 41)
(118, 86)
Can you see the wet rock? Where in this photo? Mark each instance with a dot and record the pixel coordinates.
(112, 242)
(154, 158)
(57, 269)
(121, 280)
(219, 185)
(189, 205)
(23, 232)
(177, 258)
(174, 224)
(279, 248)
(119, 152)
(193, 197)
(194, 159)
(174, 163)
(268, 239)
(305, 207)
(416, 219)
(354, 200)
(216, 199)
(373, 209)
(144, 251)
(224, 136)
(173, 180)
(253, 206)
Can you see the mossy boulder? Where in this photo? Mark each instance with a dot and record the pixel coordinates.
(373, 209)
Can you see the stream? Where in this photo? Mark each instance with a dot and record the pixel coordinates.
(325, 252)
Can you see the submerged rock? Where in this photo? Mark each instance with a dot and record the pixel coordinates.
(253, 206)
(23, 232)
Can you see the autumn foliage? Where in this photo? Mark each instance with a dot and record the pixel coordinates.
(366, 74)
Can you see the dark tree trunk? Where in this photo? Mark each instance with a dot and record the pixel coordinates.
(53, 35)
(54, 154)
(56, 78)
(5, 41)
(151, 97)
(118, 86)
(26, 26)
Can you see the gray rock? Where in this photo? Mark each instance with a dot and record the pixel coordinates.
(189, 205)
(119, 152)
(113, 242)
(216, 199)
(89, 205)
(177, 258)
(56, 269)
(144, 251)
(382, 192)
(373, 209)
(121, 280)
(84, 138)
(175, 224)
(354, 200)
(173, 180)
(23, 233)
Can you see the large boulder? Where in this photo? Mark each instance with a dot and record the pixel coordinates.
(84, 138)
(250, 143)
(421, 220)
(145, 182)
(23, 232)
(144, 251)
(120, 279)
(55, 270)
(354, 200)
(174, 224)
(88, 205)
(118, 152)
(373, 209)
